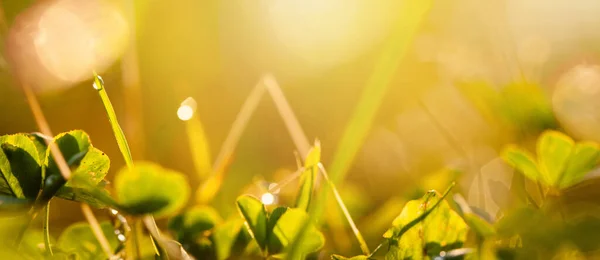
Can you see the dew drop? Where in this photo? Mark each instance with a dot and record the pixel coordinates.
(96, 87)
(187, 108)
(267, 199)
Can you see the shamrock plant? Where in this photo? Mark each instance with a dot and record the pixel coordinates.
(559, 163)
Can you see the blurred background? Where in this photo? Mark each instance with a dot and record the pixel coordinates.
(475, 74)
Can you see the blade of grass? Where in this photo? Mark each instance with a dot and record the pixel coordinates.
(46, 230)
(174, 250)
(421, 217)
(395, 49)
(303, 146)
(96, 229)
(288, 179)
(214, 181)
(132, 88)
(199, 147)
(44, 128)
(288, 116)
(117, 130)
(114, 123)
(338, 198)
(239, 125)
(377, 248)
(63, 167)
(197, 140)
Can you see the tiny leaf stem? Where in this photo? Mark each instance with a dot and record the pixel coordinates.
(361, 241)
(63, 167)
(47, 231)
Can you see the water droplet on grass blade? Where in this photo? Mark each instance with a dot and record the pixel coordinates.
(96, 86)
(267, 199)
(187, 108)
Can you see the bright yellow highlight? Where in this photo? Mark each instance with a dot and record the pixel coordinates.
(186, 109)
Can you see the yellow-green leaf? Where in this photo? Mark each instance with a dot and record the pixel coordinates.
(584, 158)
(307, 179)
(288, 226)
(194, 222)
(442, 229)
(20, 165)
(147, 188)
(480, 226)
(359, 257)
(522, 161)
(86, 162)
(229, 238)
(553, 151)
(255, 214)
(79, 238)
(274, 245)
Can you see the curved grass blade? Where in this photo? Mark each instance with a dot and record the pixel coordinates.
(112, 118)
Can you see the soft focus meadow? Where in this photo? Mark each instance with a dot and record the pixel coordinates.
(346, 111)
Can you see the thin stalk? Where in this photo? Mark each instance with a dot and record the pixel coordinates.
(199, 147)
(46, 231)
(377, 248)
(96, 229)
(238, 127)
(173, 250)
(340, 202)
(394, 50)
(421, 217)
(455, 144)
(132, 89)
(229, 145)
(114, 123)
(541, 190)
(288, 116)
(136, 232)
(44, 128)
(295, 175)
(303, 146)
(197, 140)
(63, 167)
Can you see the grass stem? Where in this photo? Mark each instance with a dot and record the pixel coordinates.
(303, 146)
(46, 230)
(215, 180)
(361, 241)
(63, 167)
(114, 123)
(118, 133)
(288, 116)
(96, 229)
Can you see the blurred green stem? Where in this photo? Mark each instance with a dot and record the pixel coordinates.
(135, 237)
(199, 147)
(412, 12)
(46, 230)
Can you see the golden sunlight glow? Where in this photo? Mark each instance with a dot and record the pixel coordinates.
(187, 108)
(323, 33)
(575, 101)
(59, 43)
